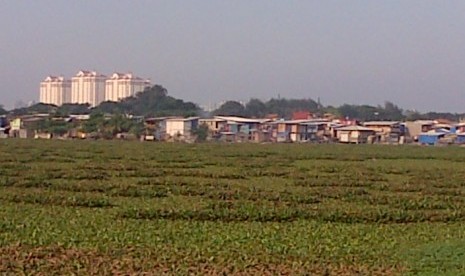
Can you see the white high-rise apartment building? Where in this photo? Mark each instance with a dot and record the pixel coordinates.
(121, 86)
(55, 90)
(88, 87)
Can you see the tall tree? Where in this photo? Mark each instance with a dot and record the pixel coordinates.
(392, 112)
(256, 108)
(230, 108)
(155, 101)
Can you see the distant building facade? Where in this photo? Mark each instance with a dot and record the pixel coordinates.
(182, 127)
(88, 87)
(121, 86)
(55, 90)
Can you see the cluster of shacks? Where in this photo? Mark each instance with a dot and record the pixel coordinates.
(262, 130)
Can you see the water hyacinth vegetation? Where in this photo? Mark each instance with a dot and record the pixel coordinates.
(111, 207)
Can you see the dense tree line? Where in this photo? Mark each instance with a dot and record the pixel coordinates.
(109, 118)
(77, 109)
(155, 101)
(151, 102)
(39, 108)
(413, 115)
(99, 125)
(389, 111)
(108, 127)
(55, 127)
(284, 109)
(256, 108)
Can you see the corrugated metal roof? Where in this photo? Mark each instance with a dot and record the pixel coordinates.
(432, 133)
(303, 121)
(183, 119)
(354, 128)
(381, 123)
(425, 122)
(242, 119)
(212, 120)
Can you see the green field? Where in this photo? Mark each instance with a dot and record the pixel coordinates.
(114, 207)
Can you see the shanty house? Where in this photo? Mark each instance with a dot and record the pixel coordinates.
(460, 127)
(386, 131)
(299, 130)
(215, 125)
(415, 128)
(460, 138)
(4, 127)
(244, 129)
(354, 134)
(383, 127)
(430, 138)
(156, 128)
(181, 127)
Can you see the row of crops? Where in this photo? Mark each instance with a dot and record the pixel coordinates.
(205, 208)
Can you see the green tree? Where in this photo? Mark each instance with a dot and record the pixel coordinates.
(441, 115)
(108, 127)
(391, 112)
(230, 108)
(2, 110)
(108, 108)
(75, 109)
(39, 108)
(360, 112)
(96, 123)
(137, 127)
(256, 108)
(119, 123)
(332, 110)
(284, 107)
(59, 127)
(155, 101)
(348, 111)
(53, 126)
(201, 132)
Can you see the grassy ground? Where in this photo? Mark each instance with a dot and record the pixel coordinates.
(129, 207)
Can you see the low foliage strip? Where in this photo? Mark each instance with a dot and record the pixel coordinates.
(20, 259)
(57, 200)
(288, 215)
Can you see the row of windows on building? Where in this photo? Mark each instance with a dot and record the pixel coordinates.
(89, 87)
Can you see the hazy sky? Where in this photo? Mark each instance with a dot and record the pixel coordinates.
(411, 52)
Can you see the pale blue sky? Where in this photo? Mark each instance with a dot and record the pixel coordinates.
(411, 52)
